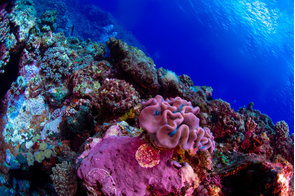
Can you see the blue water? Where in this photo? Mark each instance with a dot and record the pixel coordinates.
(243, 49)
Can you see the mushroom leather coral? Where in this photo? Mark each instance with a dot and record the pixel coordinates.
(173, 121)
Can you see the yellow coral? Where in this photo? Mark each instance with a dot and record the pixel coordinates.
(147, 156)
(30, 159)
(39, 156)
(128, 115)
(47, 153)
(179, 154)
(43, 146)
(213, 190)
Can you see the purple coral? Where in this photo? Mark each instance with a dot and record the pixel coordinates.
(112, 169)
(173, 121)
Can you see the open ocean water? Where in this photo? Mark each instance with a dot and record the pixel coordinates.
(243, 49)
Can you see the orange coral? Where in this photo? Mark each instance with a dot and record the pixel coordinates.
(147, 156)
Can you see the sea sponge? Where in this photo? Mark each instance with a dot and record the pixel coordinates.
(30, 159)
(39, 156)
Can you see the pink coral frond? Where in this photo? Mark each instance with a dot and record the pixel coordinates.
(174, 122)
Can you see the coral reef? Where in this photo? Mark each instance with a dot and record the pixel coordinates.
(134, 65)
(79, 120)
(48, 18)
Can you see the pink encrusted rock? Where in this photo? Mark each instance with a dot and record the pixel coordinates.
(112, 169)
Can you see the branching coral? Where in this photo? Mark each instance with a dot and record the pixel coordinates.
(172, 122)
(56, 64)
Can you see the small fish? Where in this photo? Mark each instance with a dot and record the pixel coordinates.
(72, 31)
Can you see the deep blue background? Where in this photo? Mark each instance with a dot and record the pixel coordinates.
(243, 49)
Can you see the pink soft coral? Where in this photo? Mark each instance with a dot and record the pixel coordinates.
(173, 121)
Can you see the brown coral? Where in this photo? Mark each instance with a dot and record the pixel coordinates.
(64, 179)
(283, 142)
(135, 66)
(118, 96)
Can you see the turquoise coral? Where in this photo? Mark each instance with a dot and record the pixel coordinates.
(4, 28)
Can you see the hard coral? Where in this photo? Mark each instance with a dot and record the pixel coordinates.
(48, 18)
(56, 64)
(24, 19)
(4, 28)
(147, 156)
(172, 122)
(283, 141)
(77, 119)
(64, 179)
(134, 64)
(88, 47)
(87, 81)
(117, 96)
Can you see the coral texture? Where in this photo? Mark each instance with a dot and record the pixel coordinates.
(4, 28)
(48, 18)
(138, 67)
(172, 122)
(111, 167)
(117, 96)
(64, 179)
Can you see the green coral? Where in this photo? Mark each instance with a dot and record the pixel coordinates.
(224, 159)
